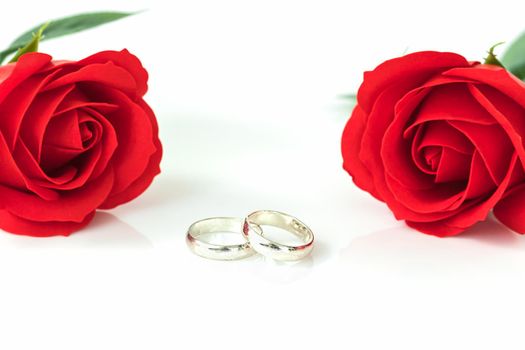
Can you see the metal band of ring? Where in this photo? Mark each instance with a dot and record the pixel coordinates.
(253, 232)
(217, 251)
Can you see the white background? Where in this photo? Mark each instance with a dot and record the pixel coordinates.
(247, 97)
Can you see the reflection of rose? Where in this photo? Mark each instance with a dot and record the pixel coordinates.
(439, 139)
(74, 137)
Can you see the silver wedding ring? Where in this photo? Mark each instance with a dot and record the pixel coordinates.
(217, 251)
(255, 241)
(278, 251)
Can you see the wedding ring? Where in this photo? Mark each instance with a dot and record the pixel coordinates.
(253, 232)
(217, 251)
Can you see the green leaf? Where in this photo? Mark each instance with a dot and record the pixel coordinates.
(31, 46)
(64, 26)
(352, 98)
(492, 58)
(514, 57)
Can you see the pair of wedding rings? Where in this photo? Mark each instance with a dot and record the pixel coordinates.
(254, 239)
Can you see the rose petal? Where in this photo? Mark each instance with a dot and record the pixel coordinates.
(510, 115)
(448, 196)
(395, 149)
(403, 212)
(484, 137)
(5, 71)
(412, 69)
(10, 174)
(470, 215)
(72, 205)
(77, 100)
(34, 172)
(380, 119)
(105, 74)
(510, 210)
(84, 154)
(15, 105)
(90, 160)
(453, 166)
(432, 156)
(442, 134)
(480, 183)
(125, 60)
(13, 74)
(38, 115)
(134, 129)
(442, 197)
(517, 176)
(63, 131)
(152, 169)
(383, 113)
(350, 147)
(108, 142)
(417, 155)
(499, 78)
(450, 102)
(85, 165)
(14, 224)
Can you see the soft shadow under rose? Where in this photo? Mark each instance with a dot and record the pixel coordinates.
(106, 231)
(487, 247)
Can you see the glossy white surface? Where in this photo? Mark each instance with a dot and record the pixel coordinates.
(246, 94)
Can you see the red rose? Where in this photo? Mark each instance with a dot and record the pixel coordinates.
(440, 140)
(74, 137)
